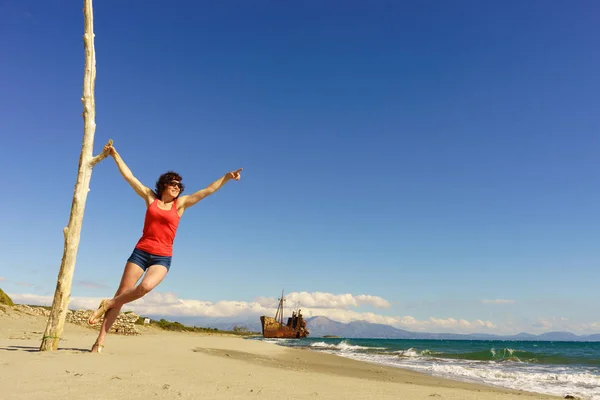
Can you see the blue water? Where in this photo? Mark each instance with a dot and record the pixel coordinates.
(557, 368)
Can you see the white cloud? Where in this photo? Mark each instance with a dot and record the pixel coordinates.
(2, 278)
(375, 301)
(170, 305)
(498, 301)
(157, 303)
(345, 316)
(450, 325)
(329, 300)
(405, 322)
(88, 303)
(593, 327)
(542, 324)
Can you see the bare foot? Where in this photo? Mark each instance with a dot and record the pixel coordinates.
(97, 348)
(96, 315)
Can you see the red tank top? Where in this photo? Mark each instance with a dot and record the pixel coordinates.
(160, 227)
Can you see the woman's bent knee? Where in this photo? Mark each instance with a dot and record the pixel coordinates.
(144, 288)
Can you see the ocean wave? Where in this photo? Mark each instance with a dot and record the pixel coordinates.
(542, 379)
(323, 345)
(519, 356)
(556, 369)
(585, 379)
(343, 346)
(580, 384)
(412, 353)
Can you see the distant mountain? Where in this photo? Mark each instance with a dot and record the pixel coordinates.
(321, 326)
(558, 336)
(524, 336)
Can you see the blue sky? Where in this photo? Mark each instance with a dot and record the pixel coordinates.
(437, 158)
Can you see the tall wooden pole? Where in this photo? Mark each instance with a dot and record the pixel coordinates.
(62, 295)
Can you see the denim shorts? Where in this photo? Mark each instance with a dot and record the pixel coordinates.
(144, 259)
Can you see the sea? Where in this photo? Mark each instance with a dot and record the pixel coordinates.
(557, 368)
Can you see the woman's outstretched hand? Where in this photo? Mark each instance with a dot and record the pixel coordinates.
(235, 174)
(109, 149)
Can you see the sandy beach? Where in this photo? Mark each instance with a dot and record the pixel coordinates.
(171, 365)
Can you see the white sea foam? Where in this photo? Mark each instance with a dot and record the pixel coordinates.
(581, 382)
(323, 345)
(274, 341)
(552, 380)
(343, 346)
(408, 353)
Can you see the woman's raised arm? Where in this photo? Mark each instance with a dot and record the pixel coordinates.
(146, 193)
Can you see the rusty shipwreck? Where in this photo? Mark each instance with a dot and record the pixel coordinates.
(295, 328)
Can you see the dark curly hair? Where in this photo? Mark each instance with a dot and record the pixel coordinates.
(164, 179)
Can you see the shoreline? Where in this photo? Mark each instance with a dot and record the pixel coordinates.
(192, 365)
(328, 363)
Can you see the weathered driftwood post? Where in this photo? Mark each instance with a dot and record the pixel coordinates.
(58, 314)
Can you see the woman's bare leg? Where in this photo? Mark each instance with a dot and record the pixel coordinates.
(154, 275)
(131, 275)
(127, 293)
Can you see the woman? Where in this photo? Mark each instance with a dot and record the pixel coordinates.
(152, 254)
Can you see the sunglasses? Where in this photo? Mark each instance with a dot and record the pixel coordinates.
(175, 184)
